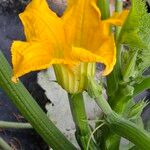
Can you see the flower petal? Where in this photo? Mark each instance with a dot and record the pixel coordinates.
(106, 54)
(40, 24)
(118, 18)
(82, 24)
(70, 4)
(27, 57)
(83, 55)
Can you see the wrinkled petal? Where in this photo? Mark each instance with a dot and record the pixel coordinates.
(70, 4)
(82, 24)
(79, 36)
(106, 54)
(27, 57)
(117, 18)
(83, 55)
(40, 24)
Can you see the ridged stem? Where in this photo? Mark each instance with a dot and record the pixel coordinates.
(130, 131)
(83, 130)
(31, 110)
(104, 6)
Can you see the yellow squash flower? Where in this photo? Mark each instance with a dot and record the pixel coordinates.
(72, 43)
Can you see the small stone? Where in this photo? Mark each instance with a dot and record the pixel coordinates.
(57, 6)
(17, 6)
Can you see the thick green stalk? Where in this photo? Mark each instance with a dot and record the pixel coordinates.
(15, 125)
(144, 85)
(4, 145)
(31, 110)
(83, 130)
(121, 126)
(130, 131)
(105, 8)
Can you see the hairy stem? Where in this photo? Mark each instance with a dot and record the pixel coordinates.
(15, 125)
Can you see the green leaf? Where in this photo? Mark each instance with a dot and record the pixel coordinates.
(135, 34)
(130, 33)
(134, 110)
(141, 86)
(129, 68)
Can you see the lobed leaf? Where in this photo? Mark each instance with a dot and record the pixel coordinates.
(135, 34)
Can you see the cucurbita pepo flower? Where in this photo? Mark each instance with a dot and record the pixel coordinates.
(72, 43)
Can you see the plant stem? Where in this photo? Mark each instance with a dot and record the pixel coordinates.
(4, 145)
(103, 104)
(105, 9)
(130, 131)
(115, 76)
(121, 126)
(118, 8)
(94, 131)
(144, 85)
(31, 110)
(118, 5)
(112, 79)
(83, 130)
(15, 125)
(95, 91)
